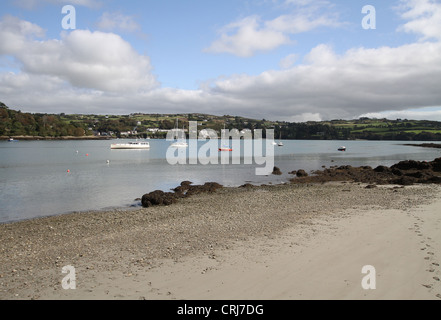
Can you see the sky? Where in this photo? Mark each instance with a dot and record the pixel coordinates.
(287, 60)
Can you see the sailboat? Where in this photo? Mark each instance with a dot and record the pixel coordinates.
(225, 148)
(280, 144)
(179, 143)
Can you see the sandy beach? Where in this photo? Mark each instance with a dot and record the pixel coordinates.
(307, 241)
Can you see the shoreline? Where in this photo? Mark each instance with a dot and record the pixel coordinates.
(37, 138)
(215, 239)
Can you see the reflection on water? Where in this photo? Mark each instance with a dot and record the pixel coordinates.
(35, 182)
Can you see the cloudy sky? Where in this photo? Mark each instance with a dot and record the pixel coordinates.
(292, 60)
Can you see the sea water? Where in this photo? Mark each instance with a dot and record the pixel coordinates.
(44, 178)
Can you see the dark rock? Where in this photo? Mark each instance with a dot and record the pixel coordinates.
(432, 179)
(206, 188)
(416, 174)
(246, 185)
(381, 169)
(436, 165)
(404, 181)
(411, 165)
(371, 186)
(158, 198)
(277, 171)
(293, 172)
(186, 183)
(301, 173)
(161, 198)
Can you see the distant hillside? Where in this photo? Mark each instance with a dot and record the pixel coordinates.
(16, 123)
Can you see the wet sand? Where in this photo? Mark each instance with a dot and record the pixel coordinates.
(307, 241)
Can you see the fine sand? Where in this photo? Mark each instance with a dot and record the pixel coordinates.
(273, 242)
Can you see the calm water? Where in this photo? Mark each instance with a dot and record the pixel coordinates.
(34, 181)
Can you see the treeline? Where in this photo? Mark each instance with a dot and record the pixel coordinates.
(398, 136)
(17, 123)
(317, 131)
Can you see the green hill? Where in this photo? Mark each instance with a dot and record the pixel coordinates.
(16, 123)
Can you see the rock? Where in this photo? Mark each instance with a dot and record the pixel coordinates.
(301, 173)
(381, 169)
(416, 174)
(411, 164)
(432, 179)
(371, 186)
(158, 198)
(277, 171)
(293, 172)
(186, 183)
(436, 165)
(186, 189)
(404, 181)
(246, 185)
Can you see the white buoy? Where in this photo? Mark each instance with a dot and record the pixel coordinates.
(108, 161)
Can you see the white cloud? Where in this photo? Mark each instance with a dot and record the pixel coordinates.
(249, 35)
(117, 22)
(304, 117)
(424, 18)
(243, 38)
(288, 61)
(15, 34)
(342, 86)
(92, 60)
(97, 72)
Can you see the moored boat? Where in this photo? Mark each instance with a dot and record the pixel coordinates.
(131, 145)
(179, 144)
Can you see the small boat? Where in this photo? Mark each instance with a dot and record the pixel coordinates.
(131, 145)
(280, 144)
(179, 144)
(342, 149)
(225, 149)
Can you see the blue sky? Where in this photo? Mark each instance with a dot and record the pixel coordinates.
(292, 60)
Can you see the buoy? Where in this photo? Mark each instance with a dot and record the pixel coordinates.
(87, 154)
(68, 170)
(108, 161)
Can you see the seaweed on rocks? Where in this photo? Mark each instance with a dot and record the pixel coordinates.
(186, 189)
(404, 173)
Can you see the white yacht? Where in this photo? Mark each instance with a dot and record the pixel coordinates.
(131, 145)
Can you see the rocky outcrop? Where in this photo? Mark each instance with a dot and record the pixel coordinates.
(186, 189)
(158, 198)
(276, 171)
(406, 172)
